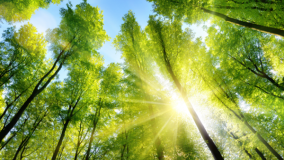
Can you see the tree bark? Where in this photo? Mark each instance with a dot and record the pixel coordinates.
(80, 140)
(55, 153)
(264, 29)
(140, 70)
(211, 145)
(27, 138)
(35, 92)
(77, 153)
(241, 145)
(158, 143)
(260, 154)
(242, 118)
(97, 115)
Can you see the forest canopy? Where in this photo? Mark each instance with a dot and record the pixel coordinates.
(174, 96)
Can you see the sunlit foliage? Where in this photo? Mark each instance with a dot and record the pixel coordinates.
(175, 96)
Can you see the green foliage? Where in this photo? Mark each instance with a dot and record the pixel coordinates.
(21, 10)
(134, 110)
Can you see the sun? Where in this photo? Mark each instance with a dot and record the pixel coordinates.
(180, 107)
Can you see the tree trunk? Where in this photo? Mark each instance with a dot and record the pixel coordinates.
(55, 153)
(35, 92)
(11, 137)
(77, 150)
(241, 145)
(264, 29)
(90, 142)
(127, 151)
(211, 145)
(27, 138)
(264, 141)
(93, 131)
(158, 144)
(140, 70)
(122, 151)
(260, 154)
(19, 149)
(76, 154)
(241, 117)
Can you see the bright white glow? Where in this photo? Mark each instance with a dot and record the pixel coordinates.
(180, 107)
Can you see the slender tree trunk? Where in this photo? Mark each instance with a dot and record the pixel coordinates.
(19, 149)
(27, 138)
(260, 154)
(241, 145)
(211, 145)
(77, 150)
(76, 154)
(140, 69)
(242, 118)
(81, 138)
(257, 151)
(127, 151)
(35, 92)
(55, 153)
(158, 144)
(272, 150)
(22, 153)
(125, 146)
(93, 131)
(90, 142)
(122, 151)
(264, 29)
(11, 137)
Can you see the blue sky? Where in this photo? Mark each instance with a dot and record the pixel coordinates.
(113, 11)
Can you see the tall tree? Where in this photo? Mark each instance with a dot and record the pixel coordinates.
(253, 12)
(244, 62)
(22, 54)
(132, 41)
(78, 36)
(162, 34)
(106, 94)
(73, 97)
(17, 11)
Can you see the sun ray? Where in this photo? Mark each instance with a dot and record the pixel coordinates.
(120, 128)
(147, 102)
(152, 84)
(181, 108)
(156, 136)
(141, 120)
(175, 134)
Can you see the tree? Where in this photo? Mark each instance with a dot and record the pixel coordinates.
(109, 85)
(174, 97)
(73, 97)
(161, 35)
(17, 11)
(21, 53)
(132, 41)
(255, 13)
(247, 66)
(78, 36)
